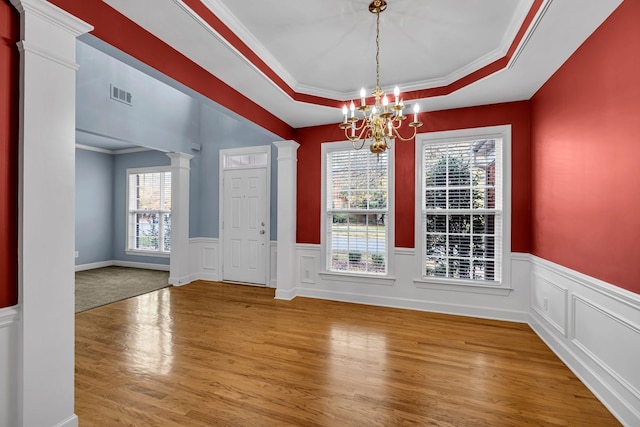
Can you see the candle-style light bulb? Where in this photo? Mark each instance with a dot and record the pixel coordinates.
(363, 94)
(352, 107)
(385, 102)
(389, 125)
(344, 112)
(416, 110)
(396, 93)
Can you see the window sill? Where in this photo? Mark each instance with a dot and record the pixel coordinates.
(147, 253)
(458, 286)
(366, 279)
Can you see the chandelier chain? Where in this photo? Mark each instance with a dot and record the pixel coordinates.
(378, 50)
(380, 123)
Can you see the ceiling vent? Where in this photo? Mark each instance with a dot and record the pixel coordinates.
(120, 95)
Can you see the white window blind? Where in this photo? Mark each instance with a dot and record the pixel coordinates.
(149, 211)
(462, 210)
(357, 211)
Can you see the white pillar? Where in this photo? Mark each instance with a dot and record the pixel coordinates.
(286, 249)
(179, 268)
(46, 213)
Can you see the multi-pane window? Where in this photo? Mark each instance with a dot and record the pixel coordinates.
(357, 211)
(462, 209)
(149, 210)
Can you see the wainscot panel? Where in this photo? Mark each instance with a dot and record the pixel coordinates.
(399, 290)
(594, 327)
(204, 259)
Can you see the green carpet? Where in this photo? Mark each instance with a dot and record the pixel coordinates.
(102, 286)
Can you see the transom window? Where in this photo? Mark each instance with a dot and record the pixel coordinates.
(149, 210)
(462, 210)
(357, 210)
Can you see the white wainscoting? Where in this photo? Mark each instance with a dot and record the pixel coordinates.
(204, 259)
(399, 290)
(9, 361)
(594, 327)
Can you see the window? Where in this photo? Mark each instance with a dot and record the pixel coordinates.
(149, 211)
(464, 229)
(357, 207)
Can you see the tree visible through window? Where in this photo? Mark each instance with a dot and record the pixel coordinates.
(357, 211)
(149, 210)
(462, 210)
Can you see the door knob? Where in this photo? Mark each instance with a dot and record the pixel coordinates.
(261, 231)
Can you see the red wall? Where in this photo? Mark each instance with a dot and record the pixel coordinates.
(517, 114)
(9, 68)
(586, 156)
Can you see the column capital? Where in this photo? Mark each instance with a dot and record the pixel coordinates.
(180, 160)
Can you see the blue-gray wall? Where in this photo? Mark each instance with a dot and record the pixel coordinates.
(94, 206)
(161, 118)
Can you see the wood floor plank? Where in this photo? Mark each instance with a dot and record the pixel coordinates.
(230, 355)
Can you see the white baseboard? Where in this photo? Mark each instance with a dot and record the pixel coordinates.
(594, 328)
(94, 265)
(145, 265)
(118, 263)
(285, 295)
(72, 421)
(413, 304)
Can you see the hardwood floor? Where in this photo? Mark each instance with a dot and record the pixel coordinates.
(212, 354)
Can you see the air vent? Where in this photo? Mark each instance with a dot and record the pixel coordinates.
(120, 95)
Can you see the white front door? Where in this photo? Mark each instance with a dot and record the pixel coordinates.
(244, 225)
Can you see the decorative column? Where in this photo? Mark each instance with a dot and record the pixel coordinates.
(46, 198)
(286, 248)
(179, 268)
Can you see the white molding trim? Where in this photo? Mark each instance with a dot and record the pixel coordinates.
(119, 263)
(415, 304)
(94, 265)
(23, 46)
(112, 152)
(593, 327)
(9, 316)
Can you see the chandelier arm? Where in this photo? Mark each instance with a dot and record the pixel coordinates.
(401, 138)
(353, 139)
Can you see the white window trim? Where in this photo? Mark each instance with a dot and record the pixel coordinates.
(377, 279)
(497, 288)
(136, 252)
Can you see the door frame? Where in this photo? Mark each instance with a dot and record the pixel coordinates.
(223, 154)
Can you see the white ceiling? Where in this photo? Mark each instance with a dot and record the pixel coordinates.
(327, 48)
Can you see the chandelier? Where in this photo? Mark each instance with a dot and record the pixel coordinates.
(380, 123)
